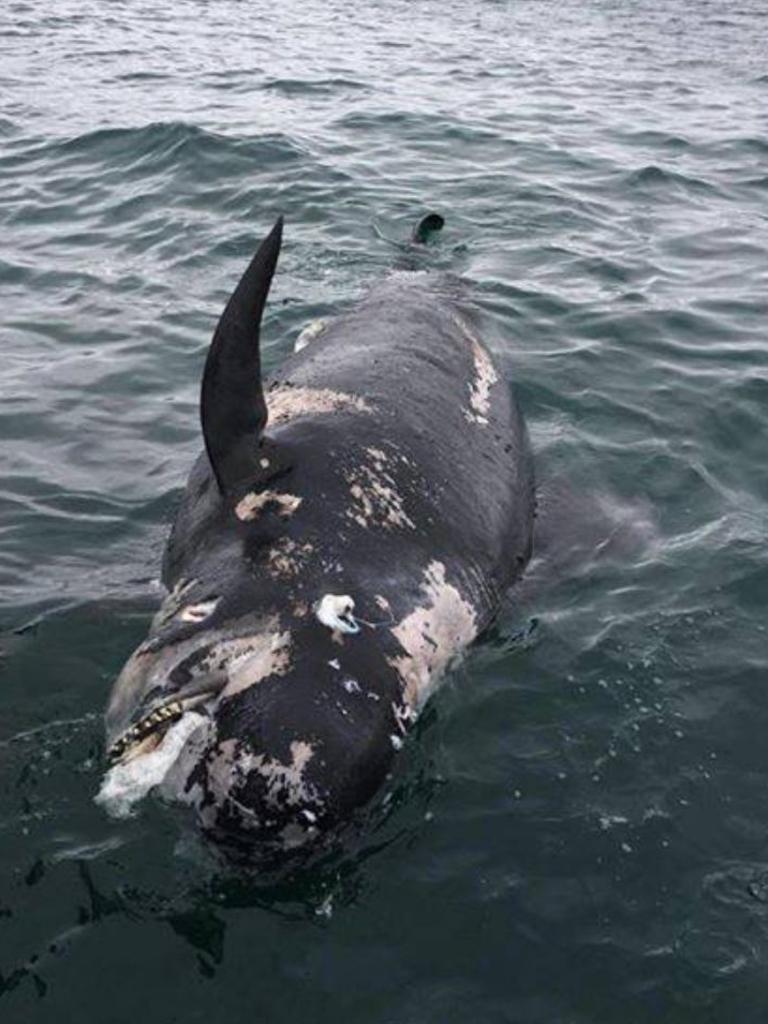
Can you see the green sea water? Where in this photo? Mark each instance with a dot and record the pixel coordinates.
(579, 830)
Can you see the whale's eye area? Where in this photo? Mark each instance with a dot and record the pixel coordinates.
(198, 612)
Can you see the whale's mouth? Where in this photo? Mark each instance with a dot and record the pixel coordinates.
(144, 754)
(147, 733)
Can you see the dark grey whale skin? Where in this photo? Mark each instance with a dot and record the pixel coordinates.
(403, 478)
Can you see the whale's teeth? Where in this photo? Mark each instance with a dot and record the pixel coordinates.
(144, 727)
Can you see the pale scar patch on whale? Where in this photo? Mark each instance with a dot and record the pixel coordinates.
(310, 332)
(246, 660)
(484, 379)
(285, 782)
(222, 772)
(288, 558)
(480, 387)
(172, 603)
(212, 651)
(231, 764)
(432, 635)
(255, 659)
(287, 403)
(250, 506)
(376, 499)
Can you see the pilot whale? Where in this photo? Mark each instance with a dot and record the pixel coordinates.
(349, 529)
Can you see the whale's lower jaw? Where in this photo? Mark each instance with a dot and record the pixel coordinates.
(148, 762)
(175, 755)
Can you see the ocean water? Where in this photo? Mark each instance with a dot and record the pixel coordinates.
(579, 830)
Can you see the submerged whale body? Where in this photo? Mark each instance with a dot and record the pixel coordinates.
(350, 528)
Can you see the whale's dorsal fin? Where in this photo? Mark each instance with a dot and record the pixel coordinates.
(233, 411)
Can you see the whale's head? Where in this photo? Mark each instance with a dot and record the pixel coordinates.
(246, 700)
(257, 711)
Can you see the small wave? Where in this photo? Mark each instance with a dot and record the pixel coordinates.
(313, 86)
(657, 139)
(433, 128)
(658, 178)
(760, 182)
(751, 144)
(142, 76)
(14, 273)
(167, 146)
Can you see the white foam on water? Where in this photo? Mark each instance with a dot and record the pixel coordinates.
(125, 785)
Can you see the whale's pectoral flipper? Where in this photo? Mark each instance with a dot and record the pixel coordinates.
(233, 411)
